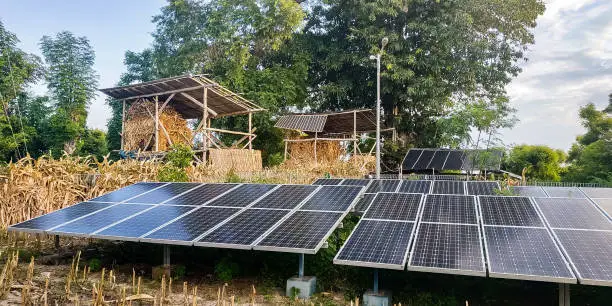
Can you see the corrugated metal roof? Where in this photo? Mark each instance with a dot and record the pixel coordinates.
(345, 122)
(184, 90)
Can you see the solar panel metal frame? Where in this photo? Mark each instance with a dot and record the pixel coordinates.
(433, 184)
(446, 270)
(139, 239)
(190, 243)
(566, 254)
(542, 192)
(574, 269)
(111, 204)
(547, 188)
(467, 188)
(381, 265)
(367, 264)
(340, 180)
(323, 240)
(374, 180)
(590, 201)
(587, 191)
(524, 276)
(251, 206)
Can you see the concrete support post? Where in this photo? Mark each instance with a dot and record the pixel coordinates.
(166, 255)
(57, 242)
(301, 268)
(564, 295)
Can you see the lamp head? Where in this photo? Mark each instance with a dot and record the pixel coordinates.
(385, 41)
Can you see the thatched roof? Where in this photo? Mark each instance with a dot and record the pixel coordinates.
(186, 96)
(363, 120)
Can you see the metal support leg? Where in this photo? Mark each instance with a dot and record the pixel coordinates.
(166, 255)
(564, 295)
(375, 289)
(301, 268)
(57, 242)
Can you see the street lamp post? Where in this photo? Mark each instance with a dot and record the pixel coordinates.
(377, 57)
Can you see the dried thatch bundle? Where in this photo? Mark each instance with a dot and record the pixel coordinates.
(303, 152)
(139, 127)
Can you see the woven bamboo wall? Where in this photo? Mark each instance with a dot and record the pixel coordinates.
(238, 159)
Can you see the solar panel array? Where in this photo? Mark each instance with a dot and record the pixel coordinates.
(284, 218)
(445, 159)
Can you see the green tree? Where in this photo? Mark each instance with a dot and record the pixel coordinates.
(440, 54)
(591, 155)
(93, 143)
(72, 82)
(539, 162)
(18, 70)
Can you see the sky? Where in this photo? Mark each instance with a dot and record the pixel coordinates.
(569, 65)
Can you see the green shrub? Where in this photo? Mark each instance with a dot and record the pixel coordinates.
(232, 177)
(275, 159)
(170, 173)
(94, 265)
(226, 269)
(180, 156)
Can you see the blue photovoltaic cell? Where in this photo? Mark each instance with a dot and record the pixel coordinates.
(448, 187)
(514, 211)
(58, 217)
(364, 202)
(438, 160)
(327, 181)
(410, 186)
(563, 192)
(574, 213)
(242, 196)
(411, 158)
(333, 198)
(244, 228)
(449, 209)
(378, 244)
(201, 195)
(424, 160)
(525, 253)
(356, 182)
(286, 196)
(192, 225)
(164, 193)
(394, 206)
(145, 222)
(454, 161)
(98, 220)
(482, 188)
(589, 252)
(529, 191)
(303, 230)
(127, 192)
(383, 186)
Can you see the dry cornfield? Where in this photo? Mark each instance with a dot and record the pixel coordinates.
(37, 186)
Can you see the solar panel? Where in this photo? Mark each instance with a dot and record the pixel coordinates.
(364, 202)
(605, 204)
(482, 188)
(189, 227)
(242, 196)
(201, 195)
(58, 217)
(447, 248)
(143, 223)
(242, 230)
(394, 206)
(409, 186)
(127, 192)
(514, 211)
(327, 181)
(449, 209)
(529, 191)
(164, 193)
(525, 253)
(593, 192)
(448, 187)
(454, 161)
(333, 198)
(563, 192)
(438, 160)
(98, 220)
(383, 186)
(424, 160)
(356, 182)
(411, 158)
(377, 244)
(303, 232)
(573, 214)
(589, 254)
(286, 196)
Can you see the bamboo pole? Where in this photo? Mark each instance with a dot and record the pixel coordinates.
(286, 144)
(355, 132)
(250, 131)
(122, 124)
(315, 147)
(205, 125)
(156, 124)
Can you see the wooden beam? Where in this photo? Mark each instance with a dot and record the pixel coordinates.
(286, 144)
(204, 120)
(355, 131)
(163, 128)
(122, 125)
(315, 147)
(322, 139)
(156, 124)
(165, 92)
(250, 131)
(166, 103)
(204, 106)
(228, 131)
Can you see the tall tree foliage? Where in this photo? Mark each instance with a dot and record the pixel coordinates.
(440, 54)
(18, 70)
(537, 162)
(591, 155)
(72, 83)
